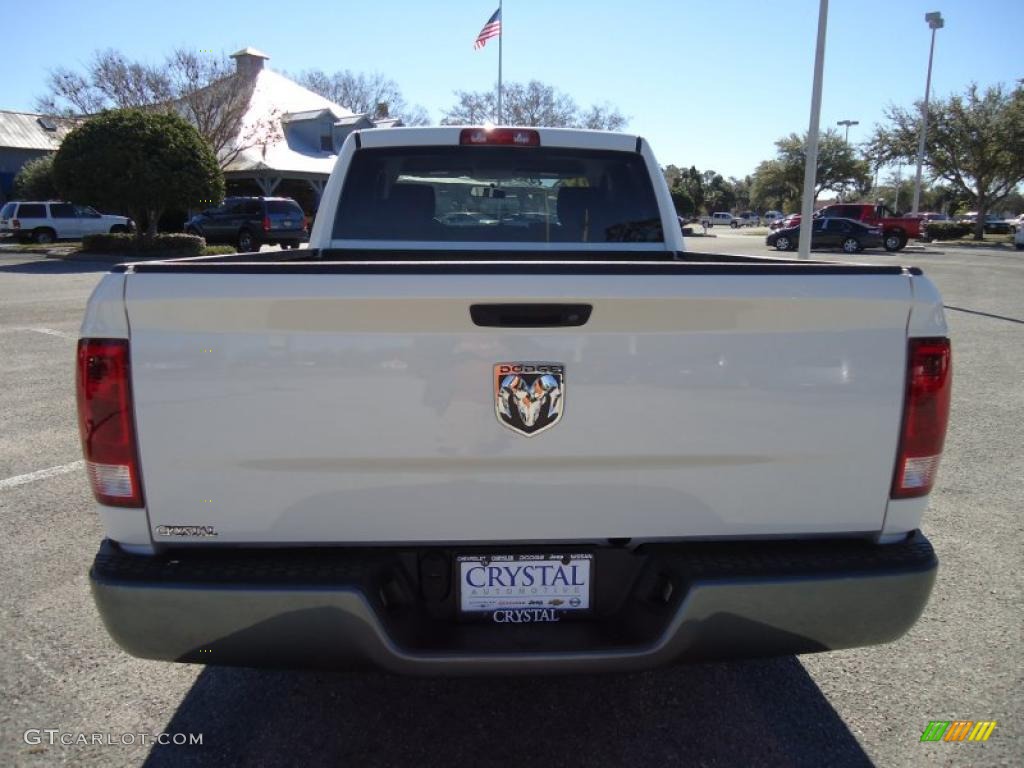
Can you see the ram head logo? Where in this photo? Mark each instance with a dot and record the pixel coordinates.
(529, 397)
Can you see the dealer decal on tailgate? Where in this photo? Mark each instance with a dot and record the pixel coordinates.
(521, 589)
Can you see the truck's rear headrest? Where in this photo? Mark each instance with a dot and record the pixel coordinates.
(577, 208)
(412, 202)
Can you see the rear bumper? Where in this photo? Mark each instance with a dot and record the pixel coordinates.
(657, 605)
(283, 234)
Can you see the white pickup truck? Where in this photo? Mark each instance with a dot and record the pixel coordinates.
(548, 441)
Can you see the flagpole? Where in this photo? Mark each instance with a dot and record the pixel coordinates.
(501, 34)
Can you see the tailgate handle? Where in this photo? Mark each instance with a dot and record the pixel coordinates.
(530, 315)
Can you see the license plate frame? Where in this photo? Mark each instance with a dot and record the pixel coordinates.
(509, 594)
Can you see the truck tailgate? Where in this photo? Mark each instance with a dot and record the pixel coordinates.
(347, 408)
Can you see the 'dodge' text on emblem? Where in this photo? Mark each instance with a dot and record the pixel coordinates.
(529, 397)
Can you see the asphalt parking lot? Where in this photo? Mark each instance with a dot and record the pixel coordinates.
(963, 660)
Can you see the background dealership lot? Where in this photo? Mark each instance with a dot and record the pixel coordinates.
(963, 660)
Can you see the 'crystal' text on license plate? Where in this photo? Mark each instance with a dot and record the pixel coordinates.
(532, 583)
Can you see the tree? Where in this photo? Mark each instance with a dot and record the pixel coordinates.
(672, 175)
(210, 93)
(110, 81)
(778, 183)
(603, 117)
(35, 180)
(365, 94)
(775, 187)
(975, 143)
(691, 182)
(683, 202)
(138, 161)
(204, 89)
(741, 191)
(718, 193)
(532, 103)
(897, 191)
(1013, 205)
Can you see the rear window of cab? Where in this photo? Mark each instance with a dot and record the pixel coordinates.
(498, 195)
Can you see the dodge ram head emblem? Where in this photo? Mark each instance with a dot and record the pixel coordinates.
(529, 397)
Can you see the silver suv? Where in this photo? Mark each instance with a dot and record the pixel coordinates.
(46, 222)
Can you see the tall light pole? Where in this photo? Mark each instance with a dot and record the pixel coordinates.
(935, 22)
(848, 123)
(811, 162)
(846, 139)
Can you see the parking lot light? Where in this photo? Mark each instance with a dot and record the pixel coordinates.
(935, 23)
(848, 123)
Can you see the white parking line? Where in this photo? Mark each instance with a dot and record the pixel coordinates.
(38, 329)
(41, 474)
(49, 332)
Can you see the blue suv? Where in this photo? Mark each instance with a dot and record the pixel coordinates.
(249, 222)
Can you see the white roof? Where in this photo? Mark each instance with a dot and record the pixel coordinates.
(250, 52)
(274, 96)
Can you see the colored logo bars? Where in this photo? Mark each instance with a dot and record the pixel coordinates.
(958, 730)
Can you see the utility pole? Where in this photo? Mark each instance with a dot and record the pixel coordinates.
(935, 22)
(811, 162)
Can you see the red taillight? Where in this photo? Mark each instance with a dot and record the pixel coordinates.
(266, 223)
(105, 421)
(925, 416)
(516, 137)
(16, 224)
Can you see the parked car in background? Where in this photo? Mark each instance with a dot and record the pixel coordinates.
(790, 220)
(829, 232)
(771, 217)
(749, 219)
(49, 221)
(896, 228)
(469, 219)
(1016, 223)
(724, 219)
(1018, 238)
(249, 222)
(994, 225)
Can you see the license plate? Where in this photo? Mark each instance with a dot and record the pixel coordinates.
(519, 588)
(287, 223)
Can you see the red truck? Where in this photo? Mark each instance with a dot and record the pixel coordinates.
(896, 229)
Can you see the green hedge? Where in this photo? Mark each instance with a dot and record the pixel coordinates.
(946, 230)
(218, 250)
(178, 244)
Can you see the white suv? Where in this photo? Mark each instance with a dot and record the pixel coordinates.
(45, 222)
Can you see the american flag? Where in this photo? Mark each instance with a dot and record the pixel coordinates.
(491, 29)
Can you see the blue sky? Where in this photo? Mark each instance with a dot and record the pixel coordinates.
(711, 83)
